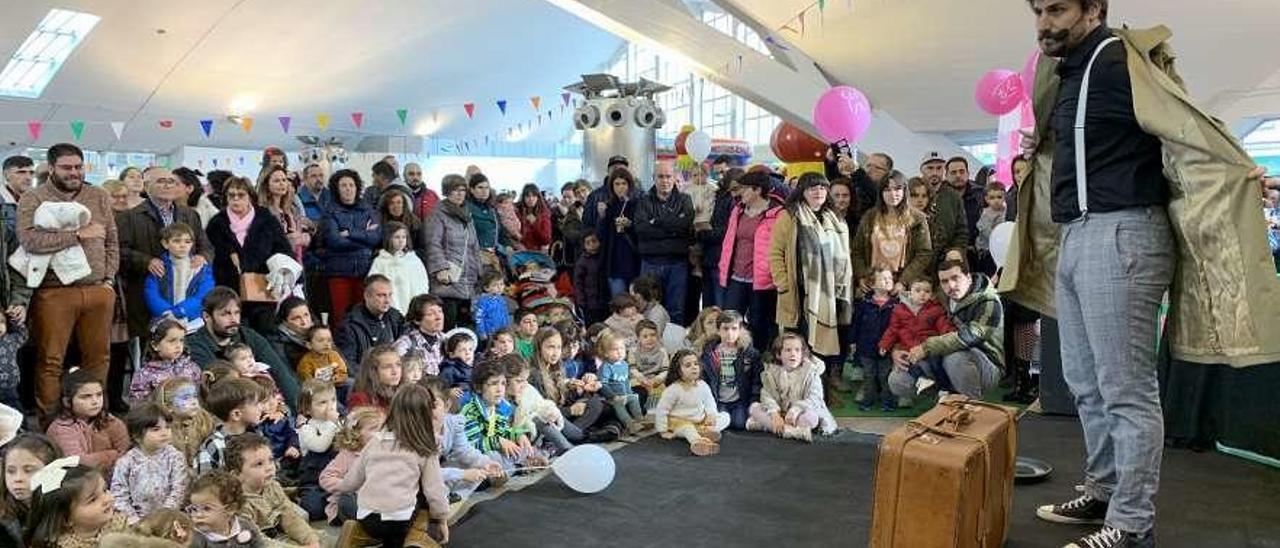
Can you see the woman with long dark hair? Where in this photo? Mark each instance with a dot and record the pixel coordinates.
(535, 219)
(617, 232)
(809, 261)
(892, 235)
(279, 198)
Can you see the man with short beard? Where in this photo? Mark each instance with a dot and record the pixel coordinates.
(61, 308)
(947, 209)
(222, 329)
(312, 192)
(424, 199)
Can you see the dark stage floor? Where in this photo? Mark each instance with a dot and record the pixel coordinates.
(761, 491)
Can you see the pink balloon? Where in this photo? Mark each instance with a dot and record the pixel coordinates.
(842, 113)
(1028, 73)
(999, 92)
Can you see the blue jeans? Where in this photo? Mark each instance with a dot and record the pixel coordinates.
(738, 413)
(673, 274)
(1113, 270)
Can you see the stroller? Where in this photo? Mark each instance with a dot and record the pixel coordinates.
(539, 286)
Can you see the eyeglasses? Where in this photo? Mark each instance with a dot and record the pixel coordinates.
(202, 508)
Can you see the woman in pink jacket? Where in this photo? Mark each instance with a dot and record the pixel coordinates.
(744, 257)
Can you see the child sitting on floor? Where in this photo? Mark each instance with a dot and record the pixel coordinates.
(463, 466)
(687, 409)
(265, 503)
(318, 423)
(625, 317)
(615, 376)
(358, 428)
(649, 363)
(648, 293)
(791, 403)
(235, 402)
(166, 358)
(398, 466)
(215, 506)
(190, 424)
(153, 474)
(489, 417)
(731, 367)
(456, 369)
(83, 426)
(323, 361)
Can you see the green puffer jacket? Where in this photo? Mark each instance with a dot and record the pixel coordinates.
(979, 322)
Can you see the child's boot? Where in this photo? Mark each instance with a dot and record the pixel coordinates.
(755, 426)
(712, 436)
(798, 433)
(418, 536)
(704, 447)
(354, 536)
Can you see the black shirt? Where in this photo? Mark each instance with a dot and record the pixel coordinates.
(1124, 163)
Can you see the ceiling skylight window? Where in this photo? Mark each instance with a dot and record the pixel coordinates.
(44, 51)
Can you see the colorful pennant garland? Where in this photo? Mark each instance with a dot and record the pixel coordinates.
(206, 126)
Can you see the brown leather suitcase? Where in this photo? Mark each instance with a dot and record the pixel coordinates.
(945, 479)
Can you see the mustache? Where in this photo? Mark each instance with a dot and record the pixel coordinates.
(1053, 35)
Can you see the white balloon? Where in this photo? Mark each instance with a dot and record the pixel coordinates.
(1001, 236)
(698, 144)
(585, 468)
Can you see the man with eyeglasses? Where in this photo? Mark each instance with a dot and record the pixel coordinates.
(63, 308)
(140, 249)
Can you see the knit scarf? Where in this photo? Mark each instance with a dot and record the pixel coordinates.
(828, 275)
(456, 211)
(240, 225)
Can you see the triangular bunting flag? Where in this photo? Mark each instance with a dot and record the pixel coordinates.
(118, 129)
(357, 118)
(322, 120)
(822, 5)
(246, 124)
(284, 123)
(565, 97)
(470, 108)
(402, 114)
(215, 162)
(502, 105)
(537, 102)
(206, 126)
(33, 127)
(166, 124)
(77, 128)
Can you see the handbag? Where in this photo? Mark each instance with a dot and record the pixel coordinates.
(253, 286)
(456, 270)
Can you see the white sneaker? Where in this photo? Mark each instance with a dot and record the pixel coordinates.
(924, 383)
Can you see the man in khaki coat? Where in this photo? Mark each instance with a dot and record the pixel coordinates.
(1135, 190)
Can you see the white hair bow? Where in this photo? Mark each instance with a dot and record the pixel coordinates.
(49, 478)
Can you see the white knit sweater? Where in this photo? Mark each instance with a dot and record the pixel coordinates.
(691, 402)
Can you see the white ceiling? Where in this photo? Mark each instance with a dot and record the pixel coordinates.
(920, 59)
(301, 58)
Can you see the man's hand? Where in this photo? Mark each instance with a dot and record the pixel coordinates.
(1030, 142)
(1257, 173)
(915, 354)
(17, 313)
(156, 268)
(900, 359)
(95, 231)
(443, 277)
(577, 409)
(197, 261)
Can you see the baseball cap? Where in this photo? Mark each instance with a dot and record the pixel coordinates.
(932, 156)
(618, 159)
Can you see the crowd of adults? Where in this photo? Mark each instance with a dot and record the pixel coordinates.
(788, 254)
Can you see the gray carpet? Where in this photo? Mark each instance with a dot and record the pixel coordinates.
(762, 491)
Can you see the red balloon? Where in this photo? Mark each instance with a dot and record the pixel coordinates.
(791, 144)
(680, 138)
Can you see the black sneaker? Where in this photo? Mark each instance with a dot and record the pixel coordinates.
(1082, 509)
(1110, 537)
